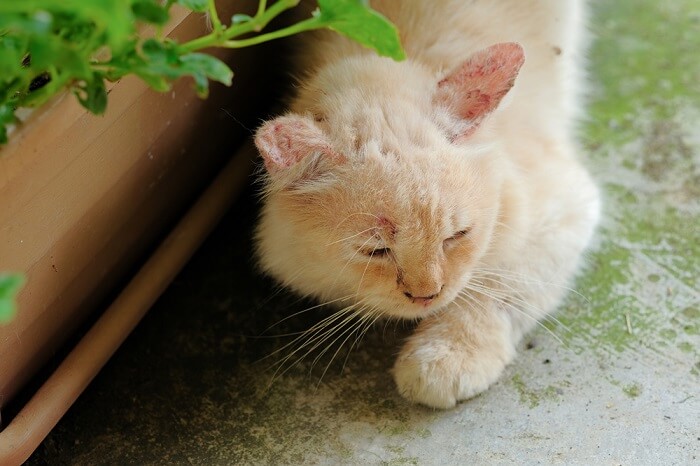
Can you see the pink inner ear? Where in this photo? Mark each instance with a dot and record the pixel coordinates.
(476, 88)
(286, 140)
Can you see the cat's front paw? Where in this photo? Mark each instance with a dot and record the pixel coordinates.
(439, 374)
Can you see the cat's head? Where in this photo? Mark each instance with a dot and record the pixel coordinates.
(385, 191)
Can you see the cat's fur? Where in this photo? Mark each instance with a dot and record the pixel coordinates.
(411, 189)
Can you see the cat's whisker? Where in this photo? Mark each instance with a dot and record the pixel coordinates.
(505, 297)
(491, 271)
(486, 292)
(370, 316)
(378, 314)
(481, 306)
(498, 272)
(536, 312)
(349, 237)
(317, 340)
(355, 322)
(354, 214)
(321, 332)
(334, 229)
(386, 325)
(350, 260)
(361, 334)
(308, 309)
(512, 230)
(500, 276)
(359, 285)
(472, 302)
(514, 296)
(367, 317)
(317, 327)
(328, 329)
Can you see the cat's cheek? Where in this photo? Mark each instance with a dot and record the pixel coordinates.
(372, 277)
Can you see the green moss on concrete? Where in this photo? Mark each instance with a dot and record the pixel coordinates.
(532, 397)
(686, 347)
(644, 56)
(632, 390)
(640, 285)
(402, 461)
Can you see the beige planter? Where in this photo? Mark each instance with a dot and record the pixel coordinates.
(84, 199)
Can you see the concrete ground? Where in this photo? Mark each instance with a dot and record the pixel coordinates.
(615, 381)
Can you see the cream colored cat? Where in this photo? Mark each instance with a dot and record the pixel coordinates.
(443, 188)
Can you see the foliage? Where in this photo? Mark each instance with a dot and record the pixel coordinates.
(50, 45)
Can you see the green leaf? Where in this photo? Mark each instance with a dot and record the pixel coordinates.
(195, 5)
(7, 116)
(22, 23)
(240, 18)
(150, 11)
(12, 50)
(10, 285)
(356, 20)
(207, 66)
(60, 54)
(93, 95)
(162, 63)
(159, 53)
(158, 83)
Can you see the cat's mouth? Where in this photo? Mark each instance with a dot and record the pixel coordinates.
(424, 302)
(404, 307)
(423, 307)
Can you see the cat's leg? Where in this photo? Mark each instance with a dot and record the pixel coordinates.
(455, 354)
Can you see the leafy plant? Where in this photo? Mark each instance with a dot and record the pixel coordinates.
(50, 45)
(47, 46)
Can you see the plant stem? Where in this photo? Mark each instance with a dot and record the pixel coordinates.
(261, 8)
(306, 25)
(256, 24)
(214, 15)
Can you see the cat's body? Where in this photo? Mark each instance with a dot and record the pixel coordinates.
(413, 190)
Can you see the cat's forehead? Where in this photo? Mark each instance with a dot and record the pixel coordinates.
(403, 201)
(389, 127)
(368, 105)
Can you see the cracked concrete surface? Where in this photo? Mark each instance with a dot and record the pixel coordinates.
(615, 380)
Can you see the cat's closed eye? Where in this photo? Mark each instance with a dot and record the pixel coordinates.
(376, 252)
(459, 235)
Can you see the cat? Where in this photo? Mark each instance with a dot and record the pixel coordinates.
(444, 188)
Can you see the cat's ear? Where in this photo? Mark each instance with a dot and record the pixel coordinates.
(288, 140)
(475, 88)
